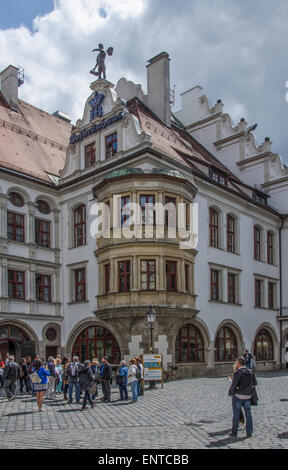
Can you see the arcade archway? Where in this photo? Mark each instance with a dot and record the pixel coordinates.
(96, 341)
(15, 341)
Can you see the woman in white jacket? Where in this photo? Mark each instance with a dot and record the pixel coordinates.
(132, 379)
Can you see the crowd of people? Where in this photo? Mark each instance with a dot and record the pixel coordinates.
(58, 376)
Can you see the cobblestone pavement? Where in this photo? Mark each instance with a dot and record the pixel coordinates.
(193, 414)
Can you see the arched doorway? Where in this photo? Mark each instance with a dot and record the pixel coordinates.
(15, 342)
(96, 341)
(225, 345)
(263, 348)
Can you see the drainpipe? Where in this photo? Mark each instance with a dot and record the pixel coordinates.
(283, 218)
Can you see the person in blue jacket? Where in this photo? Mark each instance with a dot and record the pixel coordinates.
(122, 380)
(41, 387)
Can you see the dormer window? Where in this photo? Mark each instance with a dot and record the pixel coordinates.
(260, 198)
(218, 177)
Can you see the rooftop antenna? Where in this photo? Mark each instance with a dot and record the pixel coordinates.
(172, 96)
(20, 76)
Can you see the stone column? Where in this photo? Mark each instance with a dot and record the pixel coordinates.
(56, 238)
(114, 276)
(30, 236)
(31, 291)
(161, 274)
(134, 274)
(3, 216)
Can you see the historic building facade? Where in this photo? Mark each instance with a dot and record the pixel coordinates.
(65, 290)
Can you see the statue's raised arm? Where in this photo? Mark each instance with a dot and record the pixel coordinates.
(100, 67)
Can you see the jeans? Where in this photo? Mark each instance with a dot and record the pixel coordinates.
(87, 396)
(70, 391)
(134, 390)
(26, 381)
(138, 388)
(123, 392)
(1, 381)
(10, 387)
(237, 404)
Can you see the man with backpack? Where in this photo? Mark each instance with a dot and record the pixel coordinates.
(106, 378)
(10, 375)
(73, 372)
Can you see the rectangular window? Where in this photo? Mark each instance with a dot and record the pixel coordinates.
(214, 227)
(231, 236)
(16, 285)
(42, 233)
(148, 274)
(107, 277)
(270, 248)
(257, 243)
(15, 227)
(271, 295)
(43, 288)
(80, 285)
(147, 202)
(214, 285)
(110, 145)
(89, 155)
(125, 209)
(124, 276)
(171, 275)
(231, 288)
(170, 215)
(187, 272)
(258, 293)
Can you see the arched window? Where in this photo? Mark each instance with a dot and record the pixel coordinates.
(214, 227)
(189, 345)
(270, 248)
(263, 349)
(16, 199)
(257, 243)
(80, 226)
(96, 341)
(231, 234)
(225, 345)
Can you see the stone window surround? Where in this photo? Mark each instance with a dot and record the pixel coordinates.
(71, 276)
(135, 266)
(222, 228)
(30, 273)
(223, 283)
(264, 294)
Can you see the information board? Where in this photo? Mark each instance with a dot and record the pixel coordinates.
(153, 367)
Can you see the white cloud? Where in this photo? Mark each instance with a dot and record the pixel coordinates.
(234, 50)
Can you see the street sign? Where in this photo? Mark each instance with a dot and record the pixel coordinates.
(153, 370)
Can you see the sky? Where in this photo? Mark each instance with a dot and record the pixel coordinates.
(235, 50)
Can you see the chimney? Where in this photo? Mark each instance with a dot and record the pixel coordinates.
(158, 87)
(9, 86)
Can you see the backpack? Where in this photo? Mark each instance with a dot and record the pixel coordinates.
(138, 374)
(73, 369)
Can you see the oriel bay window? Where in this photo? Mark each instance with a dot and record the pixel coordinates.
(171, 275)
(80, 285)
(111, 145)
(80, 226)
(147, 202)
(89, 155)
(170, 213)
(148, 273)
(15, 227)
(42, 233)
(189, 345)
(16, 285)
(124, 276)
(43, 288)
